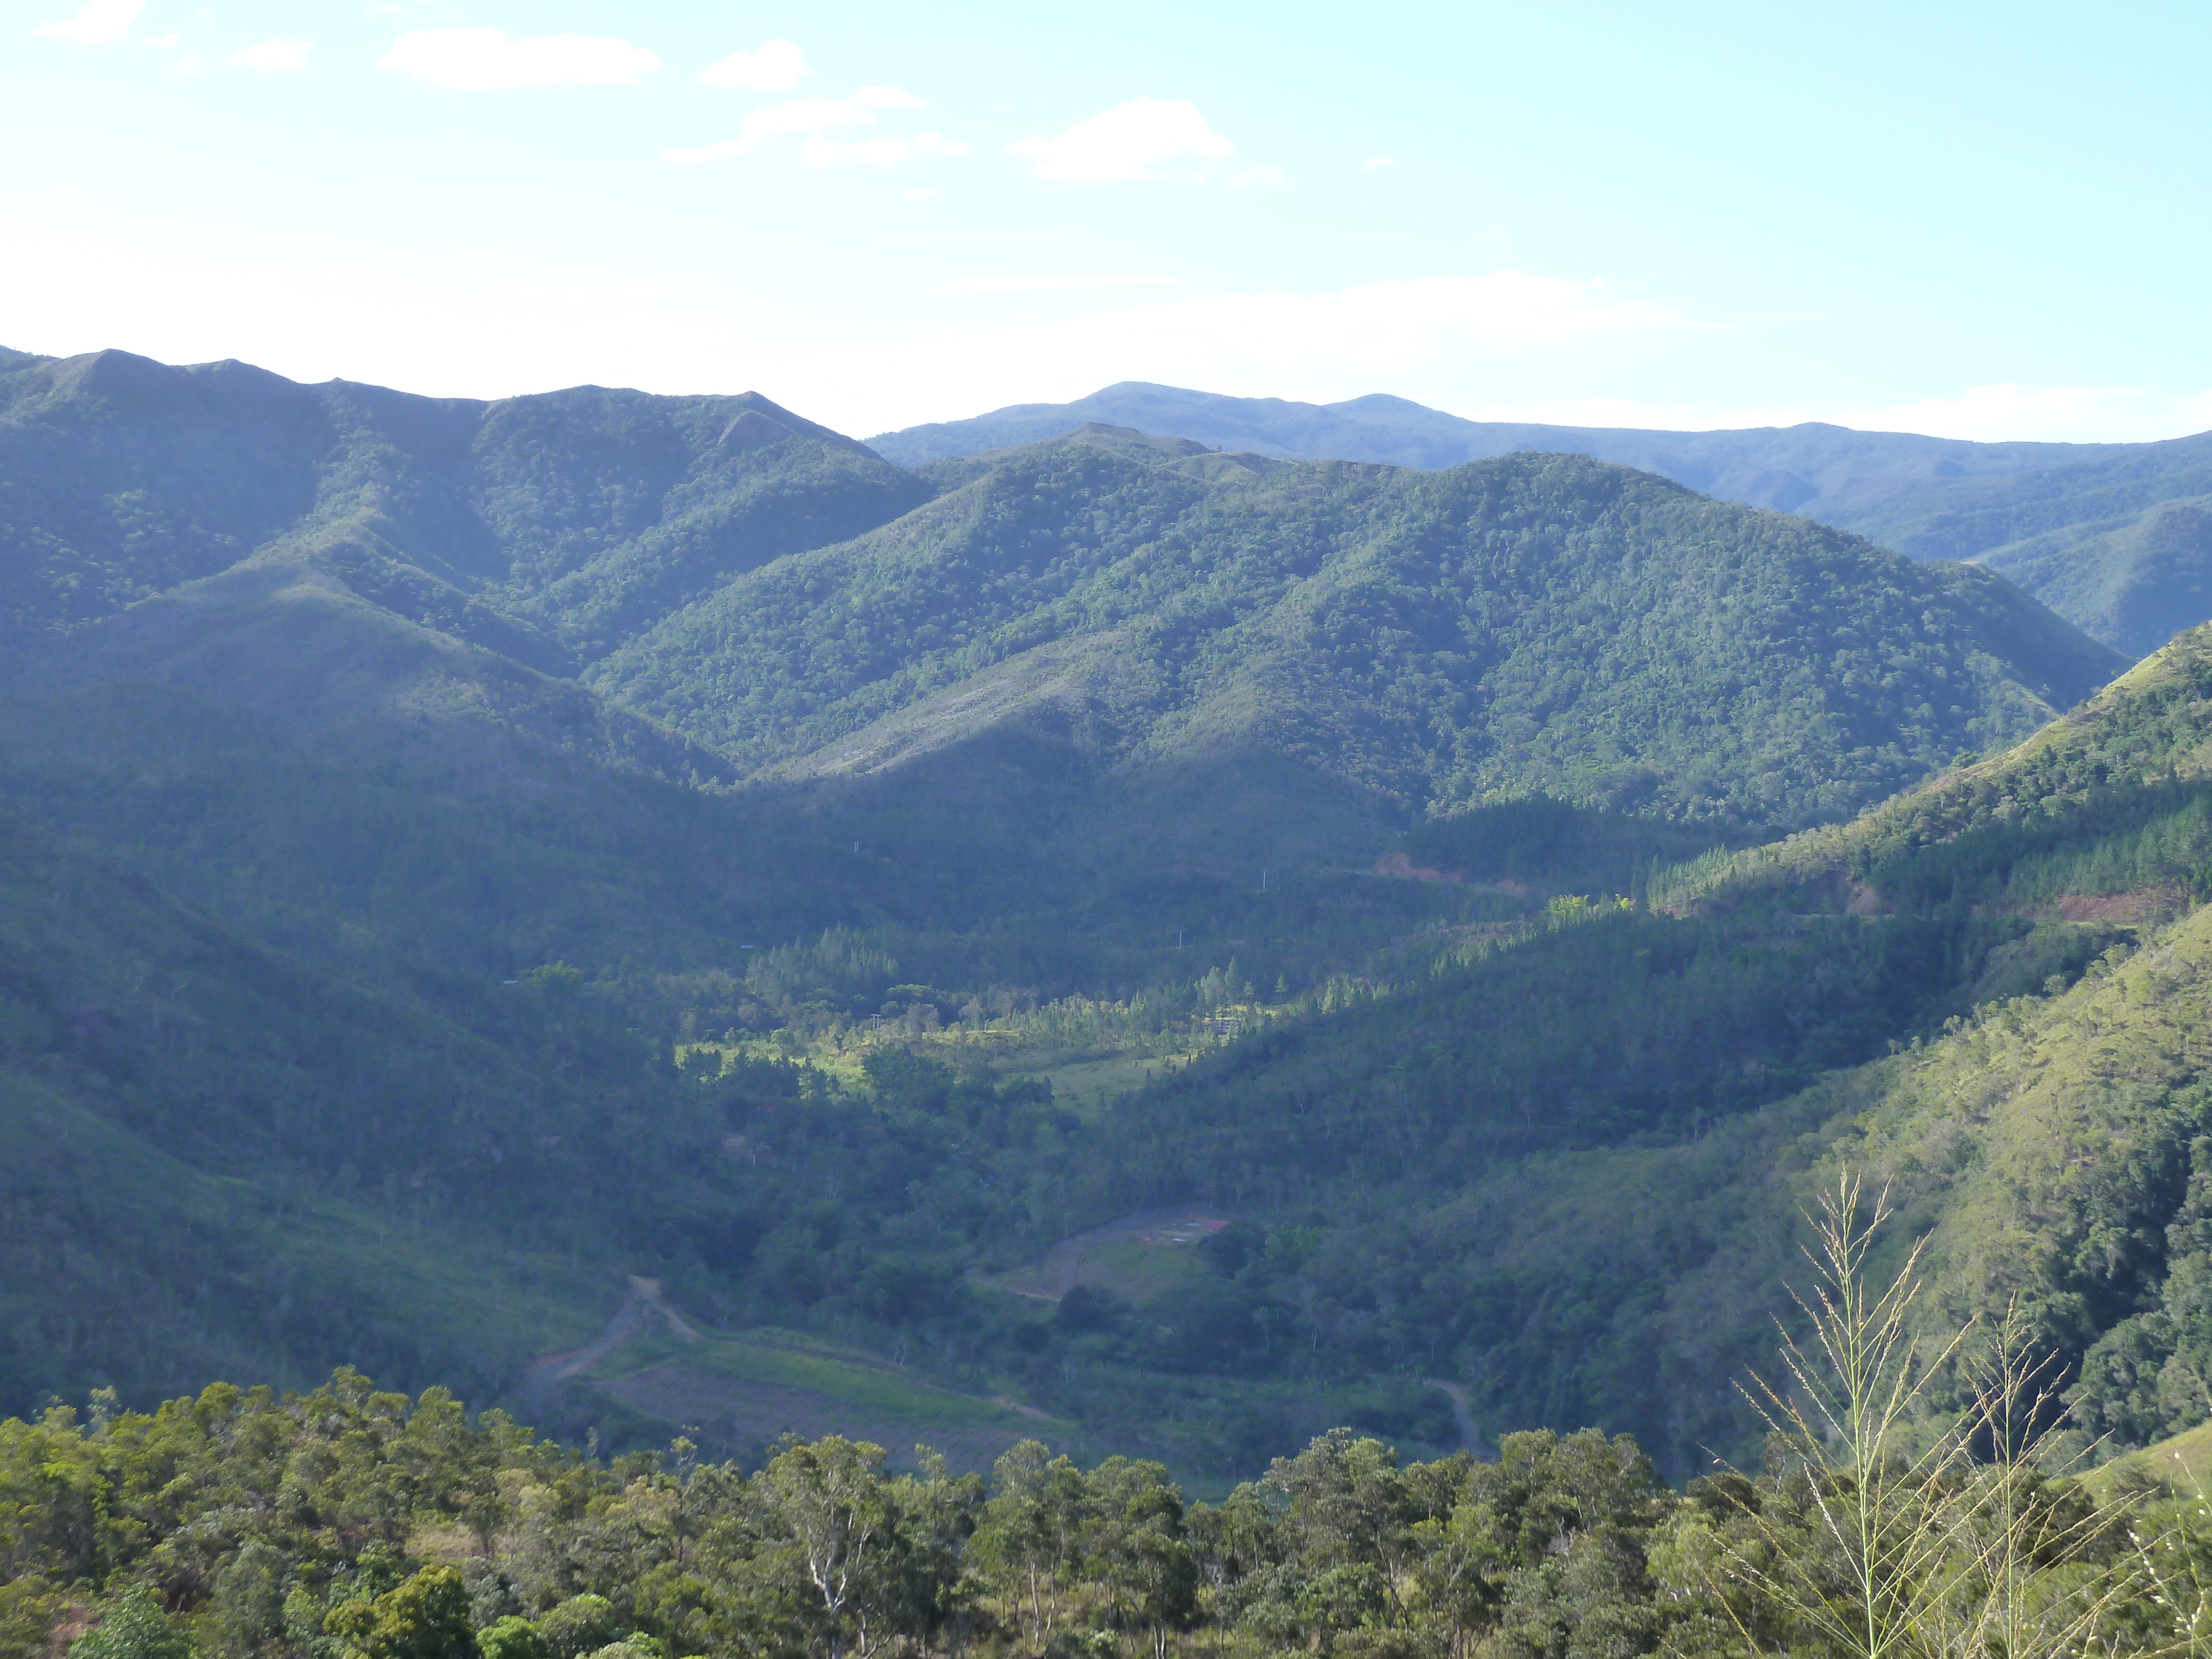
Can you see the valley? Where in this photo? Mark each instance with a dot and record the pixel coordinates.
(876, 832)
(1101, 939)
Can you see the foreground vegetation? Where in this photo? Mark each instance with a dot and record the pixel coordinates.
(348, 1522)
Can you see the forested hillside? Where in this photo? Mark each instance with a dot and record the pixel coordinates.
(1081, 668)
(1427, 642)
(555, 526)
(1572, 1156)
(2099, 532)
(2128, 581)
(644, 909)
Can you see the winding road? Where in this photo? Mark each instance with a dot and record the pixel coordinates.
(1470, 1437)
(644, 1298)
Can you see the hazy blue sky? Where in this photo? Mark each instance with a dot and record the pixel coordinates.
(1988, 221)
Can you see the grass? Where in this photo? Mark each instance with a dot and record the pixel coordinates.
(1090, 1083)
(786, 1360)
(2182, 1461)
(1087, 1081)
(1137, 1271)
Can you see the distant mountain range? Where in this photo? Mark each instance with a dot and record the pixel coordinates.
(715, 588)
(2113, 537)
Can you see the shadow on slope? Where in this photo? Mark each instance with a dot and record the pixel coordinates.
(351, 783)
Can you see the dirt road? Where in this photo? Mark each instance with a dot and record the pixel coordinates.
(642, 1302)
(1470, 1437)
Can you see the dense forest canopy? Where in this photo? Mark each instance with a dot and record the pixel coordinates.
(2104, 534)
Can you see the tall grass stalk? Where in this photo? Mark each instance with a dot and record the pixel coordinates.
(1925, 1530)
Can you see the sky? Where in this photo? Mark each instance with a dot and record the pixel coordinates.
(1978, 221)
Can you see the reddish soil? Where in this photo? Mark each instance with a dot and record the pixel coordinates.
(1404, 868)
(2142, 905)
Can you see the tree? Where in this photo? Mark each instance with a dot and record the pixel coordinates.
(1345, 1505)
(826, 1501)
(422, 1617)
(134, 1626)
(1031, 1529)
(1136, 1548)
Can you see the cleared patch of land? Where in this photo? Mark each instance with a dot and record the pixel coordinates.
(1136, 1257)
(747, 1391)
(1140, 1270)
(1090, 1083)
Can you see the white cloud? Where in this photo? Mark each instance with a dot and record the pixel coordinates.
(1268, 174)
(157, 42)
(820, 152)
(778, 66)
(926, 193)
(1041, 282)
(1376, 163)
(1133, 140)
(273, 57)
(97, 23)
(813, 117)
(486, 60)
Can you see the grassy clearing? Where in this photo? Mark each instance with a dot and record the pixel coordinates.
(844, 1377)
(1087, 1079)
(1090, 1083)
(1139, 1272)
(2184, 1462)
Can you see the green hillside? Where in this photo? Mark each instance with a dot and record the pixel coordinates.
(2133, 584)
(222, 1156)
(1968, 517)
(1570, 1163)
(217, 1157)
(353, 730)
(597, 842)
(564, 522)
(1427, 641)
(2111, 767)
(2083, 527)
(2113, 540)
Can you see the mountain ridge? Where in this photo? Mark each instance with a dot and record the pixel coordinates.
(2034, 509)
(1217, 569)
